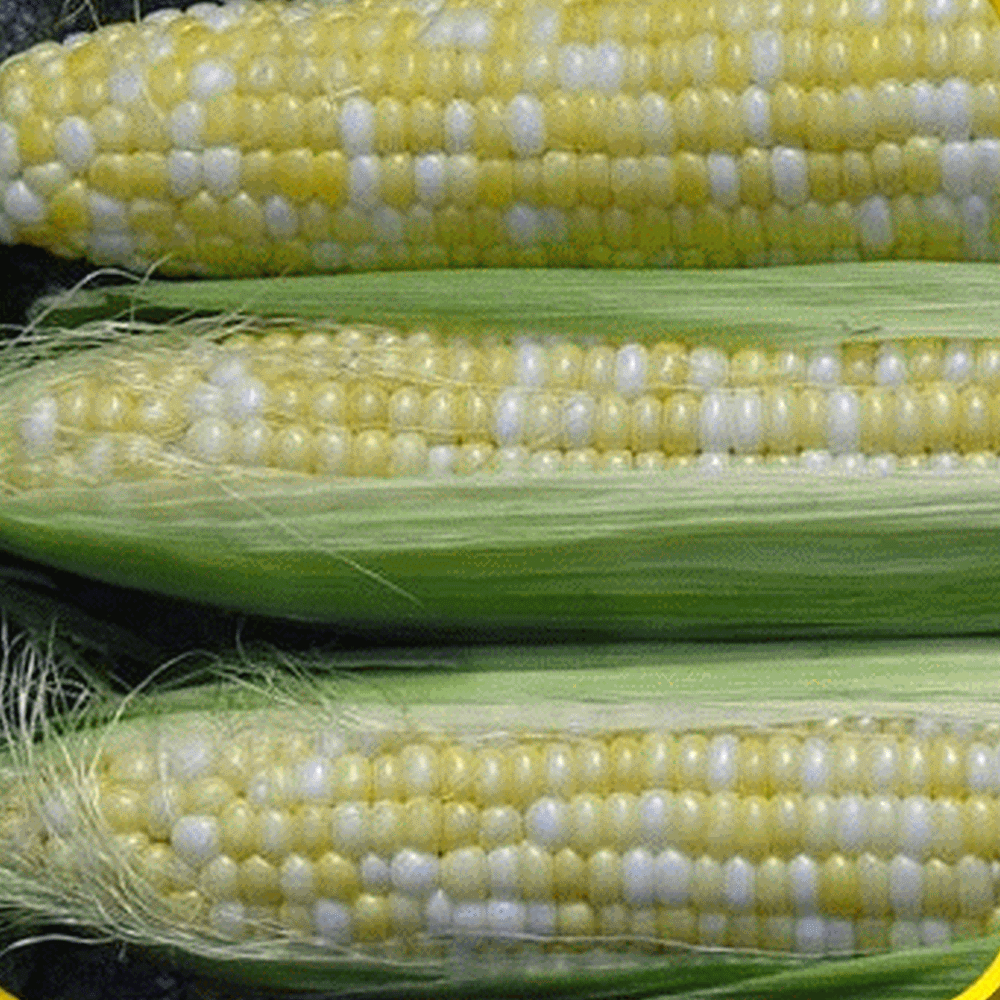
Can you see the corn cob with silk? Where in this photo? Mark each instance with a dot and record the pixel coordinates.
(387, 831)
(618, 453)
(281, 138)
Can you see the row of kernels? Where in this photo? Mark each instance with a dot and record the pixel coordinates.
(725, 824)
(720, 826)
(263, 193)
(838, 886)
(374, 918)
(844, 764)
(241, 235)
(216, 105)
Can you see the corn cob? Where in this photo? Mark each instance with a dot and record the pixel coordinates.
(278, 138)
(271, 823)
(355, 474)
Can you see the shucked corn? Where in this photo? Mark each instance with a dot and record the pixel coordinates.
(852, 835)
(264, 138)
(370, 402)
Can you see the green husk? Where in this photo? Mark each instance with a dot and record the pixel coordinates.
(806, 304)
(494, 690)
(754, 554)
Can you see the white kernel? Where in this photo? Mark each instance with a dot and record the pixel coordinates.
(721, 763)
(511, 460)
(525, 121)
(543, 25)
(803, 883)
(881, 465)
(810, 935)
(578, 421)
(547, 823)
(890, 366)
(815, 767)
(755, 104)
(503, 864)
(473, 29)
(438, 913)
(22, 205)
(935, 933)
(850, 827)
(376, 875)
(916, 826)
(714, 433)
(875, 224)
(656, 123)
(959, 362)
(187, 125)
(872, 11)
(210, 78)
(746, 421)
(713, 463)
(631, 365)
(707, 367)
(843, 418)
(906, 884)
(349, 828)
(332, 921)
(576, 67)
(244, 399)
(953, 109)
(523, 225)
(739, 882)
(816, 461)
(608, 67)
(925, 107)
(766, 57)
(195, 839)
(38, 427)
(74, 143)
(209, 440)
(509, 413)
(313, 779)
(414, 873)
(357, 127)
(107, 214)
(506, 917)
(723, 179)
(673, 875)
(186, 755)
(638, 878)
(541, 919)
(441, 460)
(468, 918)
(184, 173)
(280, 218)
(790, 175)
(430, 178)
(221, 167)
(459, 126)
(824, 367)
(957, 169)
(938, 11)
(531, 365)
(975, 215)
(980, 768)
(126, 86)
(440, 31)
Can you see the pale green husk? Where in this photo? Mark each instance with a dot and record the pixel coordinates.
(677, 555)
(807, 304)
(54, 725)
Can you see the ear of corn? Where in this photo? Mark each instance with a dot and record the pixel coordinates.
(631, 819)
(276, 138)
(375, 475)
